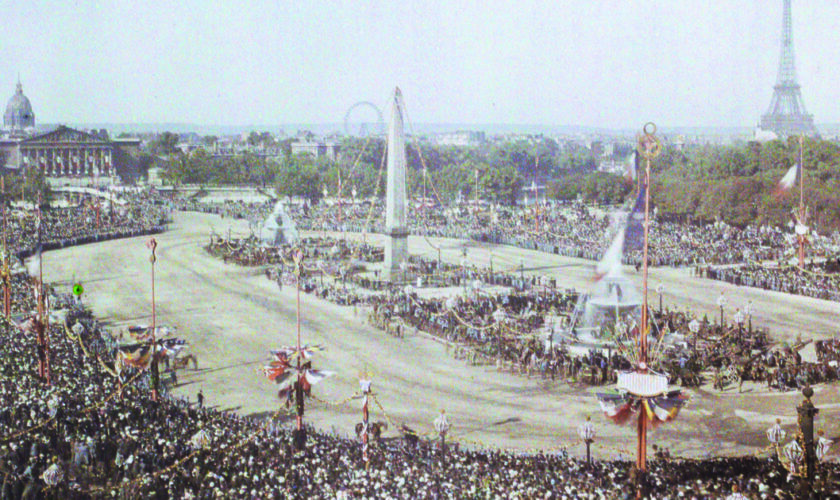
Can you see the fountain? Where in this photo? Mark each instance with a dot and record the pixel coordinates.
(278, 228)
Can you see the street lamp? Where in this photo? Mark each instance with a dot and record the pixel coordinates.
(499, 316)
(442, 427)
(721, 301)
(659, 289)
(694, 328)
(739, 319)
(748, 312)
(404, 267)
(407, 290)
(587, 434)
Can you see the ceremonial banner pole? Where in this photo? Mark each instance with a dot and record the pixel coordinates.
(365, 386)
(802, 216)
(43, 316)
(7, 275)
(298, 259)
(154, 366)
(650, 149)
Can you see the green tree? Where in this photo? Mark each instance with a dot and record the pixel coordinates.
(164, 144)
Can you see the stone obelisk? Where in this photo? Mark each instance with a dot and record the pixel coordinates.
(396, 228)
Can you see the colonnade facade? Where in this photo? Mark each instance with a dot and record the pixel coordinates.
(69, 161)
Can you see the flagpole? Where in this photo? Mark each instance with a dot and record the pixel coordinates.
(802, 220)
(7, 275)
(298, 258)
(43, 317)
(154, 365)
(650, 148)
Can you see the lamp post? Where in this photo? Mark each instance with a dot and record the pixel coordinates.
(748, 312)
(364, 388)
(500, 316)
(407, 290)
(739, 319)
(721, 302)
(694, 328)
(442, 427)
(806, 413)
(659, 289)
(587, 434)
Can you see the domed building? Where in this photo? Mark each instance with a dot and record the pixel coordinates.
(19, 116)
(61, 153)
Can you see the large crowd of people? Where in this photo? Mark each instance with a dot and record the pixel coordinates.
(94, 432)
(816, 280)
(89, 434)
(83, 221)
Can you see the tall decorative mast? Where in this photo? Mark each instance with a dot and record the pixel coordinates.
(396, 228)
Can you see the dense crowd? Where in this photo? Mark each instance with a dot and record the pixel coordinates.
(571, 230)
(88, 436)
(817, 280)
(84, 221)
(94, 433)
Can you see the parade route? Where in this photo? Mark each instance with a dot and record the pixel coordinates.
(232, 316)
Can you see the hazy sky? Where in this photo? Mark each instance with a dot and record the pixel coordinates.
(610, 63)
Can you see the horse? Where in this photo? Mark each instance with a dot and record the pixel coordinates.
(183, 362)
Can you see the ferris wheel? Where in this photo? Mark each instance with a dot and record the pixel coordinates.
(364, 119)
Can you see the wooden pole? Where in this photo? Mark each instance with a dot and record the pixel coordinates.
(802, 219)
(43, 314)
(298, 389)
(641, 455)
(7, 274)
(154, 365)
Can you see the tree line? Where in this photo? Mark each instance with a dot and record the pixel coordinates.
(704, 183)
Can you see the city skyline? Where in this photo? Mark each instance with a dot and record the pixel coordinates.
(593, 64)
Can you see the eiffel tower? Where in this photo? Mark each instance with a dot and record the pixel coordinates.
(786, 114)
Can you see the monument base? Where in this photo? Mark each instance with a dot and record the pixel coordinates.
(396, 252)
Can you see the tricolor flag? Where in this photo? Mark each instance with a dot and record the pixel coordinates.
(789, 180)
(635, 233)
